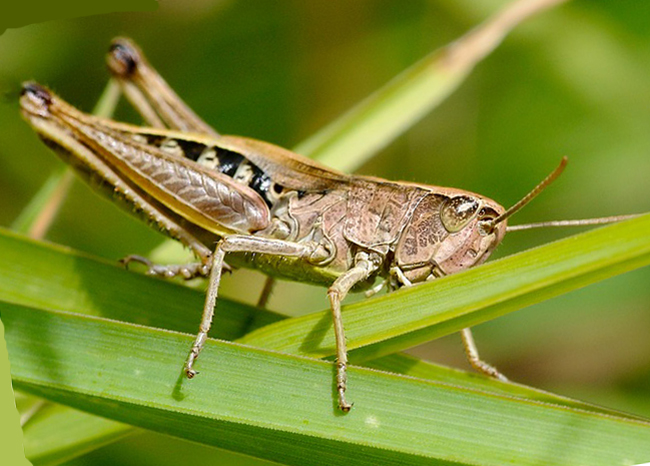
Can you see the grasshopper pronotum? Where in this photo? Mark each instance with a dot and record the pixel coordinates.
(265, 207)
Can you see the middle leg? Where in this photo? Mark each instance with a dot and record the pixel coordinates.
(231, 244)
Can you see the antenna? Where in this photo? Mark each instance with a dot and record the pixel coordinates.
(573, 223)
(533, 194)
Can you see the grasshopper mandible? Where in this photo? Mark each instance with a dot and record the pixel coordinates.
(265, 207)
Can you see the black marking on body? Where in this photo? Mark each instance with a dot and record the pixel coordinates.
(226, 162)
(191, 149)
(229, 161)
(261, 183)
(155, 139)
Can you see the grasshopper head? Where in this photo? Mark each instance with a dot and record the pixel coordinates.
(452, 230)
(448, 232)
(471, 232)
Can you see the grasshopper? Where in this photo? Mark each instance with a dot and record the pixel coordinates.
(265, 207)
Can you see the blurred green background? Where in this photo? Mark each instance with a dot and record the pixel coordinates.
(574, 81)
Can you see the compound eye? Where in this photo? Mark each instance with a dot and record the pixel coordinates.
(457, 212)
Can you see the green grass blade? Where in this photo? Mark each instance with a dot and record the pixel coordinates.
(124, 295)
(58, 433)
(79, 284)
(131, 374)
(53, 191)
(375, 327)
(401, 363)
(102, 288)
(372, 124)
(98, 288)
